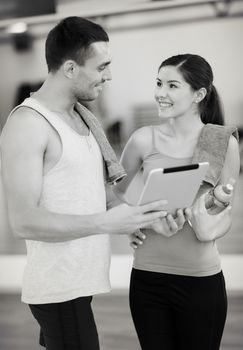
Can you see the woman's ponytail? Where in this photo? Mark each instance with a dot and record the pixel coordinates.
(211, 108)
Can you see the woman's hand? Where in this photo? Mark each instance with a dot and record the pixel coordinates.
(136, 239)
(221, 196)
(169, 226)
(207, 224)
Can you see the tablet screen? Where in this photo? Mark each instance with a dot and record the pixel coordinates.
(178, 185)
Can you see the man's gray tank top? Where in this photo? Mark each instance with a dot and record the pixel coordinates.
(57, 272)
(183, 253)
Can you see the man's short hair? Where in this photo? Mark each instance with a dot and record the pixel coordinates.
(71, 39)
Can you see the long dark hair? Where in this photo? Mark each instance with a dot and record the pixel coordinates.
(197, 72)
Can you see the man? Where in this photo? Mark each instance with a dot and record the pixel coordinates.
(53, 177)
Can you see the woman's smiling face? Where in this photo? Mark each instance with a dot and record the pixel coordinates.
(174, 96)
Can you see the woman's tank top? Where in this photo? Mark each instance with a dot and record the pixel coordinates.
(183, 253)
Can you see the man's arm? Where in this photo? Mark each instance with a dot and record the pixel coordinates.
(24, 142)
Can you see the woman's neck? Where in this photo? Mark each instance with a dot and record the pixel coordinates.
(186, 127)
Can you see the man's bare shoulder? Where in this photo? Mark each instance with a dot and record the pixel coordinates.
(25, 118)
(25, 126)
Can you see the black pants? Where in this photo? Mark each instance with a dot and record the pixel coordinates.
(172, 312)
(67, 326)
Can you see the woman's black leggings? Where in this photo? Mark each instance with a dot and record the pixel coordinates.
(173, 312)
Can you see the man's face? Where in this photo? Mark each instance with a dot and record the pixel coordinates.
(94, 73)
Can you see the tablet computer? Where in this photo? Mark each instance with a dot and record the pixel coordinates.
(178, 185)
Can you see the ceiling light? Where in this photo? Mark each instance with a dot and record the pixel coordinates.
(17, 28)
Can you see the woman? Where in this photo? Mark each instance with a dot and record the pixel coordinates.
(177, 291)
